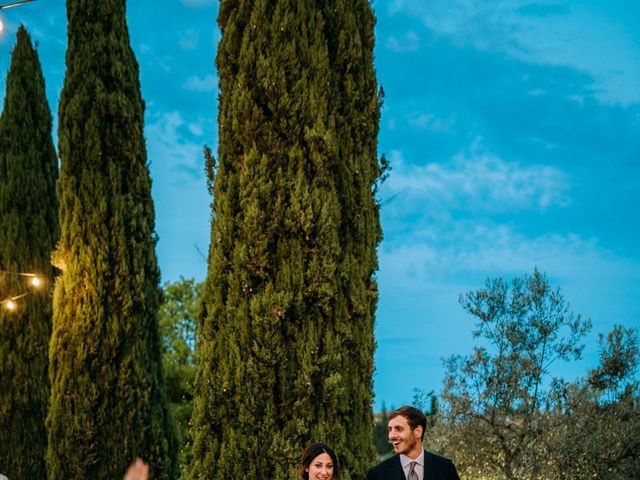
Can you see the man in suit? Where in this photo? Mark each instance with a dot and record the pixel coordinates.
(406, 433)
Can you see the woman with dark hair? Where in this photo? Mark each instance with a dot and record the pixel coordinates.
(319, 462)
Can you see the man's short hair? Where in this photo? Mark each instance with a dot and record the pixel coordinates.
(415, 418)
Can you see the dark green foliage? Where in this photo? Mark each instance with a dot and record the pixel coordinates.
(286, 346)
(108, 403)
(28, 233)
(600, 437)
(381, 434)
(178, 319)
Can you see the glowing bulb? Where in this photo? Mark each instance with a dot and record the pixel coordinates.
(36, 282)
(11, 305)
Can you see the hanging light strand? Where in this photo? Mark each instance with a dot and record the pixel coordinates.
(35, 282)
(19, 273)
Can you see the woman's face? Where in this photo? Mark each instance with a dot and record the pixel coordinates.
(321, 468)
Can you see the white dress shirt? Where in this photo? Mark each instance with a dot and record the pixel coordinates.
(419, 468)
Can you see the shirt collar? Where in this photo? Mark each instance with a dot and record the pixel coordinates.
(404, 460)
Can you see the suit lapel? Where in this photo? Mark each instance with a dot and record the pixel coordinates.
(429, 470)
(398, 471)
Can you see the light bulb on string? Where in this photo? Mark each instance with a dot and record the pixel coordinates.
(35, 281)
(11, 5)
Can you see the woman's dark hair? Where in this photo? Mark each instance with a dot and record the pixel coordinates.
(311, 452)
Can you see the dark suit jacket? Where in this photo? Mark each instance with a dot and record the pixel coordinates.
(435, 468)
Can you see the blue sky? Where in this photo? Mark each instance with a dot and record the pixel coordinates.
(513, 130)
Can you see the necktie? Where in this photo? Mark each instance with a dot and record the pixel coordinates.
(413, 475)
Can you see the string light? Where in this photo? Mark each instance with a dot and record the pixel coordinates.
(15, 4)
(35, 280)
(11, 5)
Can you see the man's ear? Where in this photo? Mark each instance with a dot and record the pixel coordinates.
(419, 431)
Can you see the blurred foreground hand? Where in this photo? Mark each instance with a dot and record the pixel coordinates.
(137, 471)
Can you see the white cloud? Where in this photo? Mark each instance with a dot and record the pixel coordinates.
(589, 37)
(180, 195)
(485, 248)
(195, 128)
(478, 181)
(461, 253)
(428, 121)
(392, 124)
(469, 20)
(207, 84)
(169, 150)
(188, 40)
(165, 66)
(408, 43)
(197, 3)
(424, 269)
(459, 256)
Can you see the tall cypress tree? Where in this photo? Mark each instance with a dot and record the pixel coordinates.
(286, 338)
(108, 403)
(28, 233)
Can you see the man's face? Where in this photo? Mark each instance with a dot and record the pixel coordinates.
(404, 440)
